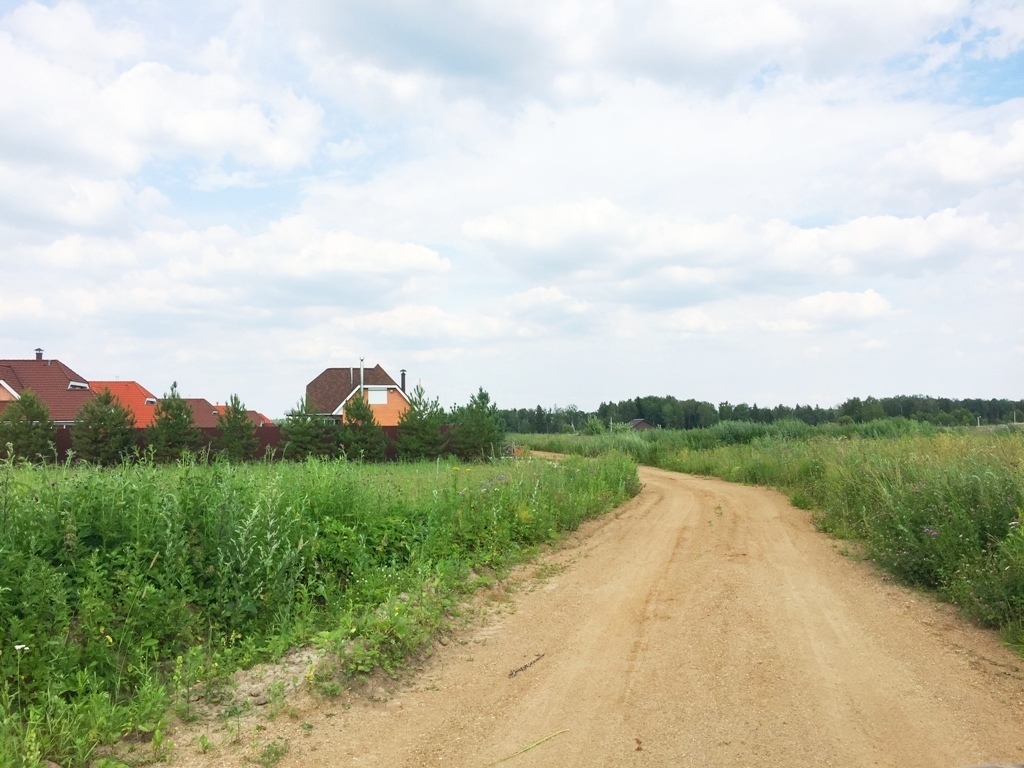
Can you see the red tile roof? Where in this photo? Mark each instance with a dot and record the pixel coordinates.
(62, 390)
(133, 396)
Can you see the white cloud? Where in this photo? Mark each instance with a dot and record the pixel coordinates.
(842, 306)
(547, 227)
(300, 246)
(21, 308)
(66, 33)
(579, 238)
(302, 264)
(869, 242)
(553, 49)
(696, 320)
(546, 298)
(692, 275)
(113, 122)
(424, 321)
(998, 27)
(212, 117)
(47, 197)
(963, 156)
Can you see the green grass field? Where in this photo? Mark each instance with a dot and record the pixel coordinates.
(122, 588)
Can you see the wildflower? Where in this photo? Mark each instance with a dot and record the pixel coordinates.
(1015, 523)
(456, 469)
(109, 639)
(930, 531)
(20, 647)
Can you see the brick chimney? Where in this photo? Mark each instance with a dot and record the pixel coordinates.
(39, 353)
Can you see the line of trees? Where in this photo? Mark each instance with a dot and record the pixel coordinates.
(425, 431)
(671, 413)
(104, 432)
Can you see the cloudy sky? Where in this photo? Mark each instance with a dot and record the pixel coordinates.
(564, 202)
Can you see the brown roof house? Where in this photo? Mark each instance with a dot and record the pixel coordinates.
(205, 414)
(63, 391)
(329, 392)
(641, 424)
(258, 419)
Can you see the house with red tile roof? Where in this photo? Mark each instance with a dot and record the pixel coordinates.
(63, 391)
(329, 392)
(133, 396)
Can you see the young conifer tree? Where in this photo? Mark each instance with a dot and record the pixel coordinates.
(237, 440)
(364, 437)
(305, 433)
(419, 428)
(104, 431)
(174, 429)
(477, 432)
(25, 425)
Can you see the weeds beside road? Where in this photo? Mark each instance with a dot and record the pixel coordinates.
(125, 590)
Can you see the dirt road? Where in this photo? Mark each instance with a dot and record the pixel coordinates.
(704, 624)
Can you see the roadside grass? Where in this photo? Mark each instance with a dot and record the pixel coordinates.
(939, 508)
(125, 592)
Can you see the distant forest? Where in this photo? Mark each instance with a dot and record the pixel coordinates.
(672, 413)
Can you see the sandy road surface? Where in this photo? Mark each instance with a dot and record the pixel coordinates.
(705, 624)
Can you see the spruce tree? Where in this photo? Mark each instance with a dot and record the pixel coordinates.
(237, 440)
(364, 438)
(477, 432)
(174, 429)
(25, 425)
(419, 428)
(104, 431)
(306, 434)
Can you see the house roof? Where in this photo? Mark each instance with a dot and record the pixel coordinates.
(332, 388)
(133, 396)
(204, 413)
(255, 417)
(641, 424)
(62, 390)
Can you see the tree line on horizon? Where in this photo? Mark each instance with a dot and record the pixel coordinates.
(670, 412)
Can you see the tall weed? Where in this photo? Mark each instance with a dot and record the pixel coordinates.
(122, 587)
